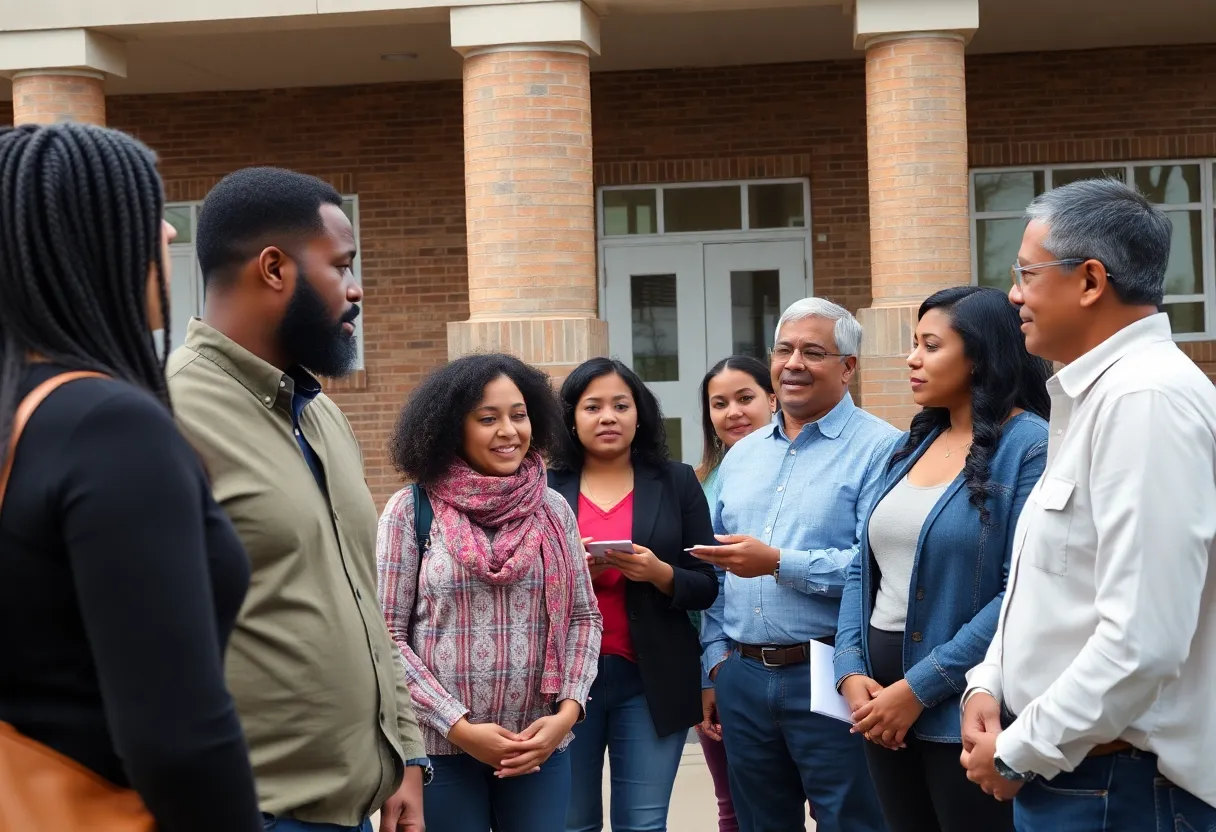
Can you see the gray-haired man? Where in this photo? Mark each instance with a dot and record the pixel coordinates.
(790, 511)
(1105, 656)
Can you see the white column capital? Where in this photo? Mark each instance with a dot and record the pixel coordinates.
(62, 52)
(556, 25)
(877, 20)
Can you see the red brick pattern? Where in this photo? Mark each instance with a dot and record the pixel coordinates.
(399, 146)
(46, 99)
(530, 200)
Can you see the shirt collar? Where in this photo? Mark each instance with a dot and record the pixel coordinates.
(269, 384)
(1081, 374)
(830, 425)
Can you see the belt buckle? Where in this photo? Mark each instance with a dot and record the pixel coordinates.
(764, 651)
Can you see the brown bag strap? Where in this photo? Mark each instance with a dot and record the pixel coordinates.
(26, 409)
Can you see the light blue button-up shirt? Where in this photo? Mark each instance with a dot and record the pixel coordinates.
(807, 497)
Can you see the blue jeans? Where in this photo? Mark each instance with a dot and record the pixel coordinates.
(289, 825)
(1117, 793)
(781, 754)
(465, 796)
(642, 764)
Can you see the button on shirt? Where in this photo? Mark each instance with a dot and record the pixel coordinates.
(807, 497)
(1108, 628)
(318, 681)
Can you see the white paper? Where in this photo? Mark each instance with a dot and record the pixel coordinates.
(824, 698)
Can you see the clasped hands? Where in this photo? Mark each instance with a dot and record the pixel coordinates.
(881, 715)
(511, 754)
(981, 727)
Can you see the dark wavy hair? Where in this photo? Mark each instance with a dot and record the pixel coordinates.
(650, 443)
(429, 433)
(714, 449)
(80, 228)
(1005, 376)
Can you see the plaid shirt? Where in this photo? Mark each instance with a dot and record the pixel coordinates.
(475, 650)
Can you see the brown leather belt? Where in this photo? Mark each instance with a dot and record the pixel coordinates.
(1108, 748)
(772, 655)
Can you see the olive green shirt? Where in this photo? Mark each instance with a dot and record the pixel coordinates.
(318, 681)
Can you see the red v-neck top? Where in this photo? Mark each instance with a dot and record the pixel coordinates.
(614, 524)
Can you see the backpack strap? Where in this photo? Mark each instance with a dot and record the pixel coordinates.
(424, 515)
(26, 409)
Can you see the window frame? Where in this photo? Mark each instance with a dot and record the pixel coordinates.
(356, 268)
(745, 231)
(1206, 207)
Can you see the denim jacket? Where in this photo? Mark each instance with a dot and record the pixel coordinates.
(958, 579)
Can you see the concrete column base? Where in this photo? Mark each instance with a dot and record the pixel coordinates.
(555, 345)
(883, 369)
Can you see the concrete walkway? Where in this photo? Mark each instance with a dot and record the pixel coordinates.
(693, 805)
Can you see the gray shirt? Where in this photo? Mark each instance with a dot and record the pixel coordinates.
(894, 531)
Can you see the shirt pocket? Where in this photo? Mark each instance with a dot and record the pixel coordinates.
(1048, 539)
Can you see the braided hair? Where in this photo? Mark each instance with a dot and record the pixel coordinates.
(80, 227)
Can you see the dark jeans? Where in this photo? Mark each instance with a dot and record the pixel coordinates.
(465, 796)
(924, 788)
(1117, 793)
(642, 765)
(289, 825)
(781, 754)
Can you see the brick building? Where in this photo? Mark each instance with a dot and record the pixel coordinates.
(650, 178)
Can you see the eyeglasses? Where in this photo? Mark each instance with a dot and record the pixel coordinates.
(1018, 273)
(811, 355)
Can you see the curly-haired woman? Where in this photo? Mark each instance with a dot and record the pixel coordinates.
(922, 597)
(495, 615)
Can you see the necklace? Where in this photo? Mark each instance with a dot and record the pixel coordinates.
(949, 450)
(585, 487)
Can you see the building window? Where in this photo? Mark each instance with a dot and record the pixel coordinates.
(1183, 189)
(630, 211)
(186, 295)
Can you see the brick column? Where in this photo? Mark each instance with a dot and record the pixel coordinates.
(59, 74)
(920, 238)
(59, 95)
(529, 190)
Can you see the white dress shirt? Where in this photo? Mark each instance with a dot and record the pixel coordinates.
(1108, 628)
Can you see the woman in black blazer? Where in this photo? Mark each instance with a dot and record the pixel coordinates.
(616, 475)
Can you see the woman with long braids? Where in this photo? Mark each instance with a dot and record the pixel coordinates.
(922, 597)
(120, 578)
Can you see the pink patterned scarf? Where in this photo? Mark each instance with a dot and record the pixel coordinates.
(467, 503)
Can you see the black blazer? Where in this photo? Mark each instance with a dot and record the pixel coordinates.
(670, 514)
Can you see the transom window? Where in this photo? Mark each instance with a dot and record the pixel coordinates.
(186, 296)
(1182, 189)
(705, 207)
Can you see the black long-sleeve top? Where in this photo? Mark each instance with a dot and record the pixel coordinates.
(120, 581)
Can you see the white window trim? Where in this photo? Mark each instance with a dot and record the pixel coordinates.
(1206, 208)
(356, 269)
(741, 184)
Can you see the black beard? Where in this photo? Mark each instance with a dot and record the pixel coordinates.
(311, 339)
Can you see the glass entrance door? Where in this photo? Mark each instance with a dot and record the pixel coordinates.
(674, 311)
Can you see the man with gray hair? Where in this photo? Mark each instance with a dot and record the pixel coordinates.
(1094, 704)
(791, 507)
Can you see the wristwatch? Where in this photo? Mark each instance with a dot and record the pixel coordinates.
(1009, 774)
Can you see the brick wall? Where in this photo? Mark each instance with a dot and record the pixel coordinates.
(751, 122)
(399, 147)
(1114, 105)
